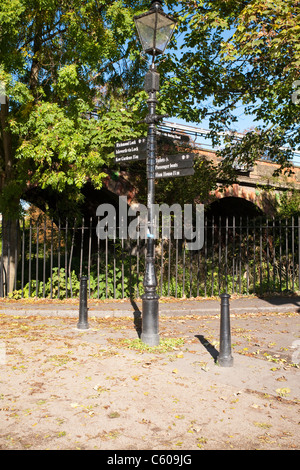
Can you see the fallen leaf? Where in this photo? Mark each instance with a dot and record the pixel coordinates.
(281, 379)
(262, 425)
(283, 391)
(146, 365)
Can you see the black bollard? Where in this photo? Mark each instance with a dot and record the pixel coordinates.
(83, 310)
(225, 358)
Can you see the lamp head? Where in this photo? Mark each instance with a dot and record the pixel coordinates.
(155, 29)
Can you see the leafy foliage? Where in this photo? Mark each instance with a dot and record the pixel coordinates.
(61, 61)
(237, 54)
(62, 285)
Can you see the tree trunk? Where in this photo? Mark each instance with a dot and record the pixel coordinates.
(10, 199)
(9, 210)
(10, 255)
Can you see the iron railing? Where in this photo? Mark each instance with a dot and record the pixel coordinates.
(239, 255)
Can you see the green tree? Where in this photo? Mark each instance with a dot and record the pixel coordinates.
(238, 55)
(289, 204)
(61, 60)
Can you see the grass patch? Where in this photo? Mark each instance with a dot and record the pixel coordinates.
(165, 345)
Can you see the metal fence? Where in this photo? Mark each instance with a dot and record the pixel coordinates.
(240, 255)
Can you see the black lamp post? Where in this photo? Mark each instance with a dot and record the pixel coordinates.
(155, 29)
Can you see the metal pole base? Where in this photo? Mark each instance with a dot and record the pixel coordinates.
(225, 358)
(83, 309)
(150, 340)
(225, 361)
(82, 326)
(150, 335)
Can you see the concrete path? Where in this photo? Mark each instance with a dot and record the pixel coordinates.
(170, 307)
(95, 389)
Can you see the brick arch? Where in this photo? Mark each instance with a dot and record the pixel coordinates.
(120, 186)
(260, 198)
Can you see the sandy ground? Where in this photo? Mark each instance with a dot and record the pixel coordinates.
(96, 389)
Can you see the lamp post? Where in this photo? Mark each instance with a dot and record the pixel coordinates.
(155, 29)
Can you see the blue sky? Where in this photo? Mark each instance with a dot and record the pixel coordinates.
(244, 122)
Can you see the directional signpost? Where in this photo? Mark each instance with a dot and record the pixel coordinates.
(183, 159)
(131, 150)
(174, 165)
(171, 135)
(168, 166)
(174, 173)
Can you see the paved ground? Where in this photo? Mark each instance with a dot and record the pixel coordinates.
(62, 388)
(172, 307)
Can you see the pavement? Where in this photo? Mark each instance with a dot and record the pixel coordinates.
(167, 306)
(95, 389)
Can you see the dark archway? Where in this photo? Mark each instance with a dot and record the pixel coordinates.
(232, 206)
